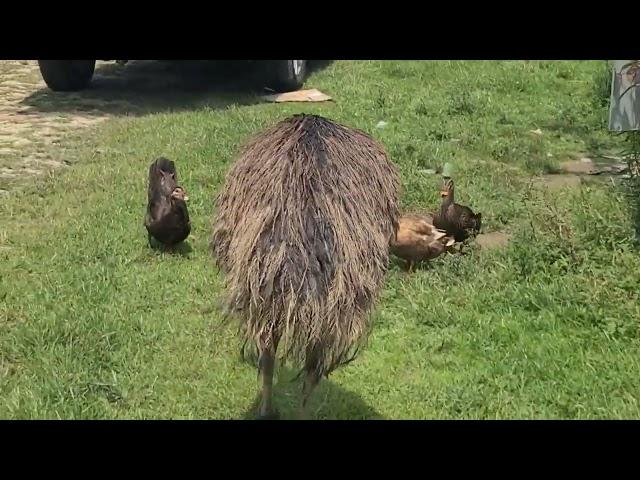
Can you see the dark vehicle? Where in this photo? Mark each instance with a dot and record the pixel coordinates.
(73, 75)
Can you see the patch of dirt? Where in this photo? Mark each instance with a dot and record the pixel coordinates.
(575, 172)
(491, 240)
(26, 133)
(584, 166)
(558, 181)
(34, 121)
(600, 166)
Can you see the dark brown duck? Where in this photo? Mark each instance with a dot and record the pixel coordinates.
(167, 218)
(455, 219)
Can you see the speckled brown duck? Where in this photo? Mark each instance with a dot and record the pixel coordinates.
(418, 240)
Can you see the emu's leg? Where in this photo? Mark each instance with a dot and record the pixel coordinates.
(311, 380)
(267, 364)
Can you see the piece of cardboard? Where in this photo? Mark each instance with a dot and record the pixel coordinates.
(312, 95)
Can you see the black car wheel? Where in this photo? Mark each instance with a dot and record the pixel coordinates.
(67, 75)
(287, 75)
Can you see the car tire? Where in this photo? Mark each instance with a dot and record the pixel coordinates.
(287, 75)
(67, 75)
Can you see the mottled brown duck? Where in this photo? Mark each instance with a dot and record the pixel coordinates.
(418, 240)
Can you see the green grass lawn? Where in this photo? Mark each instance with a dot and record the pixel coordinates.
(94, 324)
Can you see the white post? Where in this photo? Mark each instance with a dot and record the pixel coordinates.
(624, 109)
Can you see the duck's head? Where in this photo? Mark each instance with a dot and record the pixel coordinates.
(179, 193)
(447, 190)
(165, 181)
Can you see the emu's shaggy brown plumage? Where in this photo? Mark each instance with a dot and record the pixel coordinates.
(302, 231)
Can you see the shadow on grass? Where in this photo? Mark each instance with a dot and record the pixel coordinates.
(329, 401)
(149, 86)
(402, 266)
(183, 249)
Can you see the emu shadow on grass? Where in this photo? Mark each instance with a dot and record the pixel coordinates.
(332, 402)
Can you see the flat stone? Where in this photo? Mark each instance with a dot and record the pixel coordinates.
(557, 181)
(583, 166)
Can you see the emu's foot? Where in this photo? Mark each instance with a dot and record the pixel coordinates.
(273, 415)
